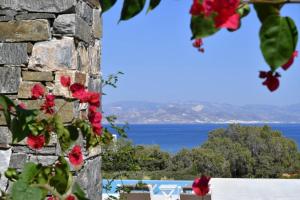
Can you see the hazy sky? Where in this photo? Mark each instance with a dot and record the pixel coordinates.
(160, 64)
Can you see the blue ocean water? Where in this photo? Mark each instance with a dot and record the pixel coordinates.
(173, 137)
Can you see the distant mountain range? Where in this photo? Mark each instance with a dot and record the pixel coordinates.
(200, 112)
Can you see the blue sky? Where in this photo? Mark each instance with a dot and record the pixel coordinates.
(160, 64)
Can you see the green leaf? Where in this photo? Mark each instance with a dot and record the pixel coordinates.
(6, 103)
(74, 133)
(153, 4)
(244, 10)
(78, 192)
(131, 8)
(265, 10)
(278, 37)
(22, 191)
(62, 180)
(107, 4)
(18, 134)
(203, 26)
(11, 174)
(62, 133)
(30, 171)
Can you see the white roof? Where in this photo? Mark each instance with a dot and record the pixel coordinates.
(255, 189)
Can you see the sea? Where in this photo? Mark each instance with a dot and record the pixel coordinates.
(174, 137)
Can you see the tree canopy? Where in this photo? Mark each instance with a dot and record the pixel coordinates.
(238, 151)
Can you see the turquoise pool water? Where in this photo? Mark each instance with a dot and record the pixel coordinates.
(154, 183)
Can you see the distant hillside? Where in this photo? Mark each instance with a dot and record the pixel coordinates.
(202, 112)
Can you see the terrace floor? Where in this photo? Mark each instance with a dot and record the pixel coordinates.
(248, 189)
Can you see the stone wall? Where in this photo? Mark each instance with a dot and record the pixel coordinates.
(40, 40)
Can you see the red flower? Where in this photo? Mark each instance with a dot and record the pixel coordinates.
(37, 91)
(272, 80)
(65, 81)
(49, 104)
(198, 43)
(75, 156)
(70, 197)
(227, 16)
(95, 117)
(201, 186)
(224, 12)
(79, 92)
(77, 87)
(291, 61)
(22, 105)
(52, 198)
(97, 128)
(36, 142)
(93, 109)
(196, 8)
(94, 99)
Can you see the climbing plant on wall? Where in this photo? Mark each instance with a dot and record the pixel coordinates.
(278, 34)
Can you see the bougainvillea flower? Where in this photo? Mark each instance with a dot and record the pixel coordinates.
(224, 12)
(94, 99)
(65, 81)
(93, 109)
(49, 104)
(37, 91)
(272, 80)
(77, 87)
(95, 117)
(196, 8)
(291, 61)
(201, 186)
(36, 142)
(22, 105)
(71, 197)
(97, 128)
(75, 156)
(198, 43)
(227, 16)
(79, 92)
(52, 198)
(232, 22)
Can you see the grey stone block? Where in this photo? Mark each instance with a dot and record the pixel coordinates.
(28, 16)
(47, 150)
(9, 79)
(51, 6)
(89, 178)
(85, 12)
(5, 137)
(83, 58)
(44, 160)
(24, 91)
(72, 25)
(4, 164)
(94, 57)
(94, 84)
(97, 24)
(62, 53)
(37, 76)
(9, 13)
(25, 30)
(18, 160)
(6, 18)
(94, 3)
(13, 53)
(3, 183)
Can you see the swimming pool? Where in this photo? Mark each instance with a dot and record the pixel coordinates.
(154, 183)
